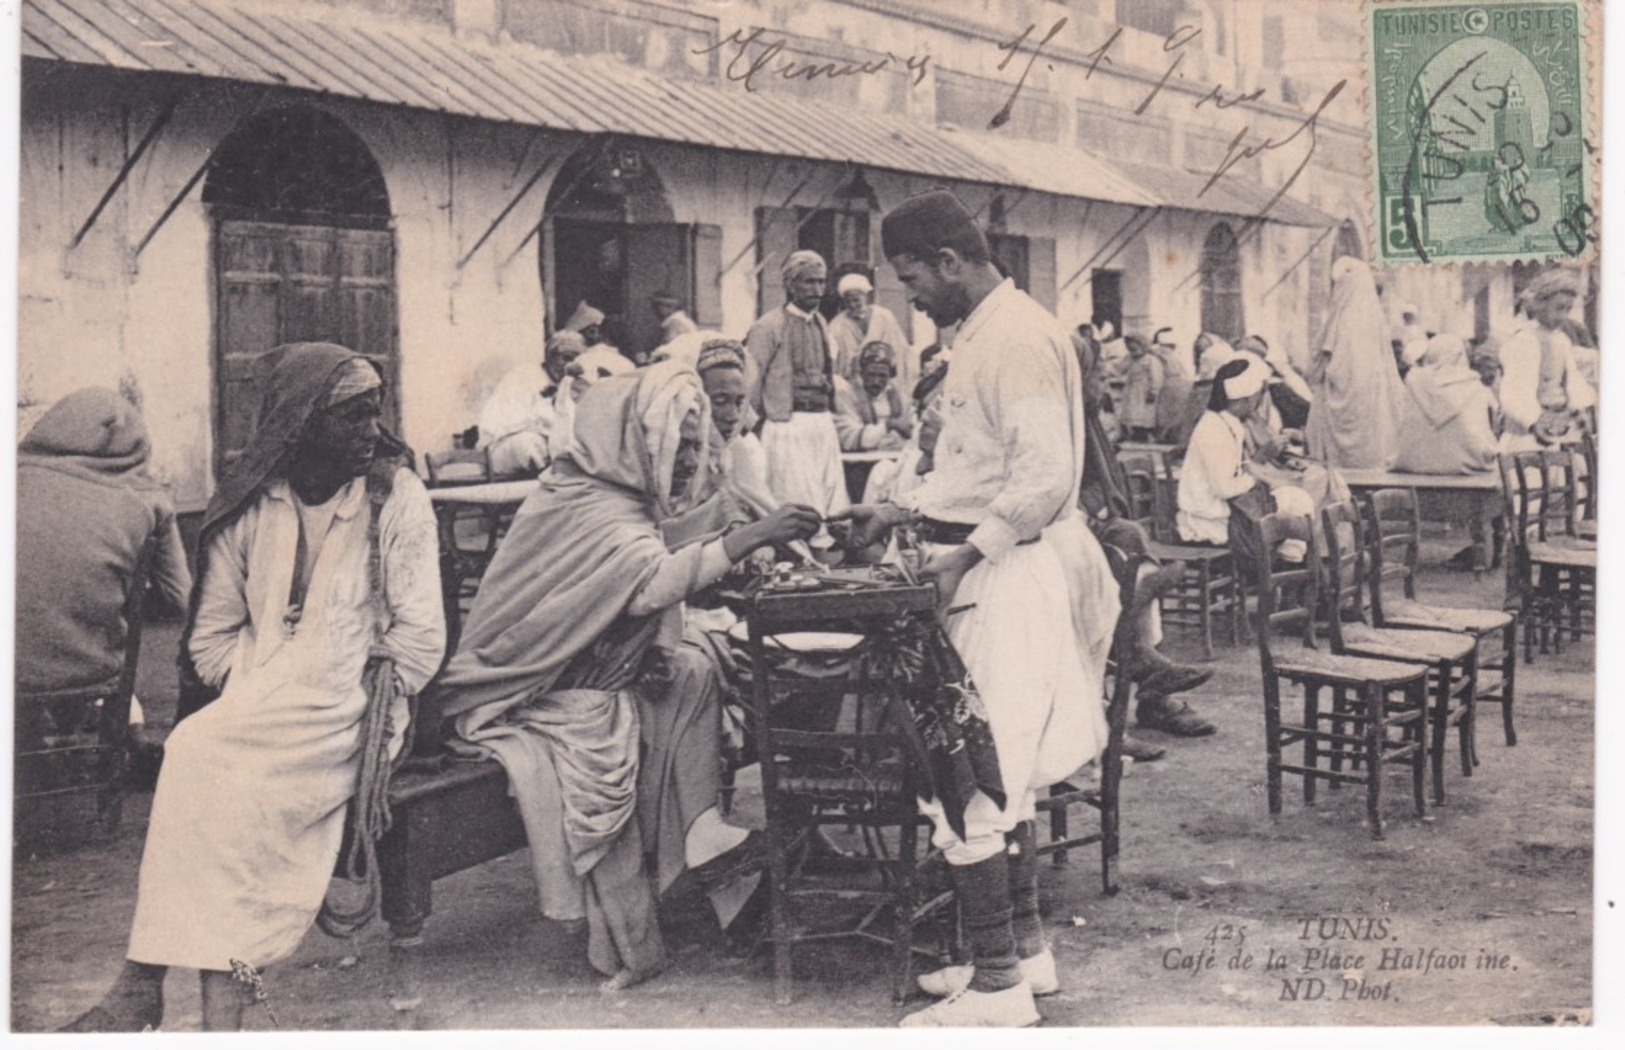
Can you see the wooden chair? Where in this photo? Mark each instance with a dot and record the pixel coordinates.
(1552, 573)
(1394, 539)
(74, 744)
(1365, 728)
(1104, 796)
(468, 534)
(865, 775)
(1451, 658)
(1211, 586)
(458, 466)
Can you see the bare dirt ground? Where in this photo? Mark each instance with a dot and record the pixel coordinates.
(1483, 908)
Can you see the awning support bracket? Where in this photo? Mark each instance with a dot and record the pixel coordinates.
(757, 240)
(191, 184)
(159, 123)
(524, 191)
(548, 212)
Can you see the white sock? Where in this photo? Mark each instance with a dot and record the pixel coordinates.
(710, 836)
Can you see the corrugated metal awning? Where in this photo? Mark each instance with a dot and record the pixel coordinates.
(1231, 194)
(423, 66)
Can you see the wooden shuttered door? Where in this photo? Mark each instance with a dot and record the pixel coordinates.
(708, 277)
(277, 283)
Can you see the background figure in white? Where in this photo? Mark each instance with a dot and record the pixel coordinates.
(517, 417)
(1354, 422)
(250, 805)
(863, 321)
(1543, 392)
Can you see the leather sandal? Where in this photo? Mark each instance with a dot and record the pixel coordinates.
(1175, 720)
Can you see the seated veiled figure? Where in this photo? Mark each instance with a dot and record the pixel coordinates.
(1448, 425)
(571, 670)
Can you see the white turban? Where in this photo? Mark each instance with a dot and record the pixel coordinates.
(853, 282)
(1247, 382)
(805, 259)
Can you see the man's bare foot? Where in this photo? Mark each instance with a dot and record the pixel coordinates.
(628, 977)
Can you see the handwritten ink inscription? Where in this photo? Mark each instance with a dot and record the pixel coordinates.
(1330, 959)
(770, 60)
(755, 55)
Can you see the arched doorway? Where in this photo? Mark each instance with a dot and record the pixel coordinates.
(1348, 242)
(611, 241)
(303, 251)
(1223, 312)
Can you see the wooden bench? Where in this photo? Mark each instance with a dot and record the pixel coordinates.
(449, 815)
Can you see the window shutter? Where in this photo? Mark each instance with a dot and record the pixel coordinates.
(776, 240)
(708, 276)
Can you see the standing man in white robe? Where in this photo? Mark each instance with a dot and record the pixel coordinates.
(792, 391)
(287, 625)
(1028, 596)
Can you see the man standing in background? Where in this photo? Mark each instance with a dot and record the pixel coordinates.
(792, 390)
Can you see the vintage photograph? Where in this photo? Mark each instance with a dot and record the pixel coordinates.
(684, 514)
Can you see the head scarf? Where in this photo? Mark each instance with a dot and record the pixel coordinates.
(800, 262)
(1354, 422)
(880, 353)
(585, 317)
(297, 381)
(926, 222)
(853, 282)
(627, 430)
(93, 434)
(1443, 384)
(579, 548)
(354, 378)
(1557, 279)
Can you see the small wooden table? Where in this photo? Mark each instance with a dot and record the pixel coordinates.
(1473, 498)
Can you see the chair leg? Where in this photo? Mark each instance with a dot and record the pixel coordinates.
(1371, 694)
(903, 948)
(1205, 576)
(1057, 828)
(1439, 721)
(1467, 730)
(1418, 695)
(1339, 726)
(1272, 744)
(778, 909)
(1311, 746)
(1509, 672)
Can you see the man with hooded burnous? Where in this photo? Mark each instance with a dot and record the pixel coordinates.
(315, 617)
(1028, 598)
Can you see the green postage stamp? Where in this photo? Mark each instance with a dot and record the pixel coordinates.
(1478, 118)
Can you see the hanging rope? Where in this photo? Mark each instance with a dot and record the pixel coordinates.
(369, 816)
